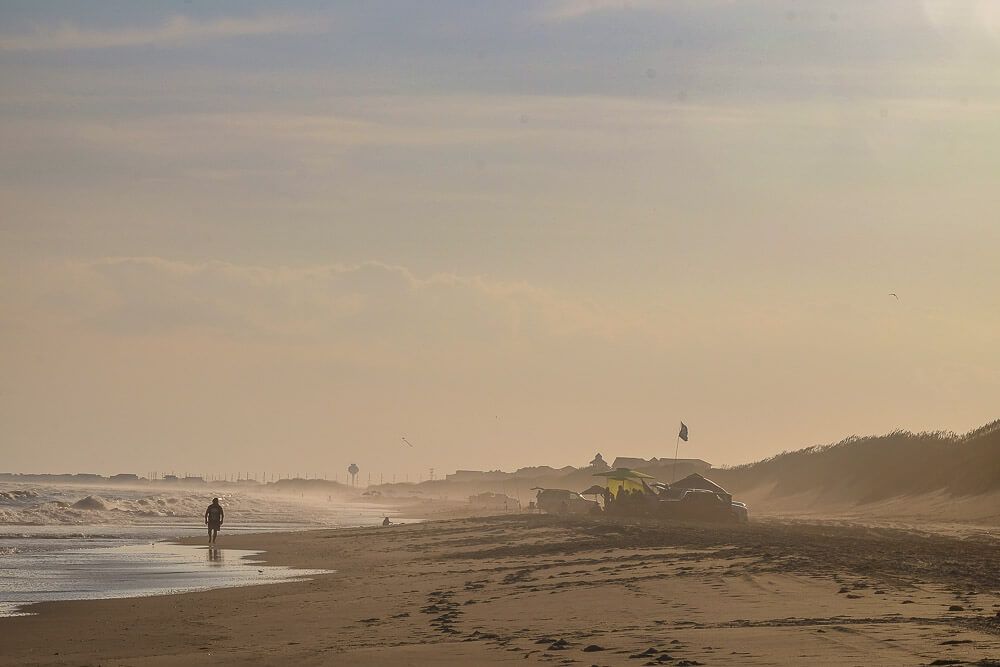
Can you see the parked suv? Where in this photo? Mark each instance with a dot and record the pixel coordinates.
(562, 501)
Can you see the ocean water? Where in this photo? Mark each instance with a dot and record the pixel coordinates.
(73, 542)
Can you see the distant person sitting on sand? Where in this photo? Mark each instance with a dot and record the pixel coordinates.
(386, 522)
(214, 516)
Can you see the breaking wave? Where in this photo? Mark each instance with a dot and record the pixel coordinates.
(67, 506)
(17, 496)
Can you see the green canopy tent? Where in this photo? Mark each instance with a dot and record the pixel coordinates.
(624, 478)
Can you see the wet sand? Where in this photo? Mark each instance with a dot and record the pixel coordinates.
(539, 589)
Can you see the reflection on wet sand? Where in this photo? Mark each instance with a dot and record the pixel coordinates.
(129, 571)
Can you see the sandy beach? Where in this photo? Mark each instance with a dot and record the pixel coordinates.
(541, 589)
(565, 332)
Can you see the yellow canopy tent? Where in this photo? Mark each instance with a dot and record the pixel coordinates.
(623, 478)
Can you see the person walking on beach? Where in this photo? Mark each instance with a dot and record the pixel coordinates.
(214, 516)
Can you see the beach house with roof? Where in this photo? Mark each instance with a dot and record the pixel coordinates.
(663, 468)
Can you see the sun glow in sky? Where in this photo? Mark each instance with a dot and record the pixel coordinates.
(281, 237)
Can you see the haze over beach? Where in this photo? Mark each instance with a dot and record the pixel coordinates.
(670, 326)
(515, 233)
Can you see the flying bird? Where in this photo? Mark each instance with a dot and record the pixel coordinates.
(895, 295)
(407, 442)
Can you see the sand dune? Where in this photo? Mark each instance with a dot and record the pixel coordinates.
(921, 477)
(874, 468)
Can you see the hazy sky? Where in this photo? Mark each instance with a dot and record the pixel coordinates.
(247, 236)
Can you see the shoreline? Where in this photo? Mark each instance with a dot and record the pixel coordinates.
(92, 561)
(142, 570)
(488, 590)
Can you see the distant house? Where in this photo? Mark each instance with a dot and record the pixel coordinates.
(663, 468)
(599, 463)
(535, 472)
(475, 475)
(630, 462)
(465, 476)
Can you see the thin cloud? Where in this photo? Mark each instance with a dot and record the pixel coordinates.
(565, 10)
(175, 30)
(138, 295)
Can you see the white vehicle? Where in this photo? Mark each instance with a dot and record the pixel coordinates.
(741, 511)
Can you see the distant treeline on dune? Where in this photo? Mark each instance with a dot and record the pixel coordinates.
(874, 468)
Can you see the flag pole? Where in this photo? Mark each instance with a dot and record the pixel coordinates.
(677, 446)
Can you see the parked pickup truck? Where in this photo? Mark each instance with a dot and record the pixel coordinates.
(703, 505)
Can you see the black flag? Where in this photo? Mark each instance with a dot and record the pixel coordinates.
(683, 435)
